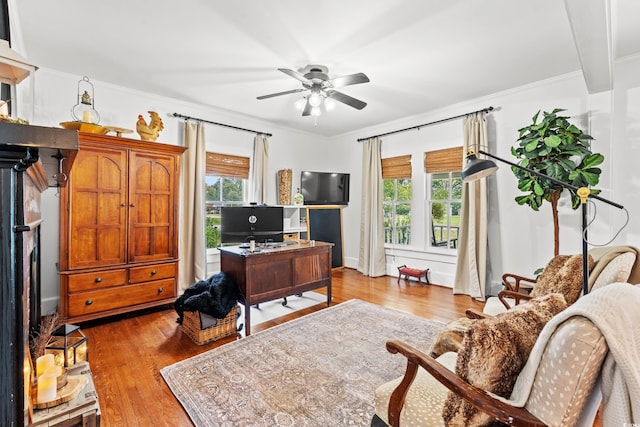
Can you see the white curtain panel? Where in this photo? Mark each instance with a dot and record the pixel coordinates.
(192, 247)
(259, 169)
(471, 270)
(371, 260)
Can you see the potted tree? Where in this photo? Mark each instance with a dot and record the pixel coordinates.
(559, 149)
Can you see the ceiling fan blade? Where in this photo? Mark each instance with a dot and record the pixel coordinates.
(296, 75)
(307, 109)
(346, 99)
(351, 79)
(286, 92)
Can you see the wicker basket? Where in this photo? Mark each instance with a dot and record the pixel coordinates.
(192, 326)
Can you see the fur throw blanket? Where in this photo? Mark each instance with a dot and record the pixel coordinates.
(614, 310)
(215, 296)
(493, 352)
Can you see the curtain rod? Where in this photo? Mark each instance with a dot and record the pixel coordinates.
(484, 110)
(219, 124)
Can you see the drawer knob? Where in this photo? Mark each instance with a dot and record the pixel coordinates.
(88, 302)
(133, 205)
(98, 279)
(123, 204)
(160, 290)
(154, 272)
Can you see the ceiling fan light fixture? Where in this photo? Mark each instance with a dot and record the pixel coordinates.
(300, 103)
(315, 99)
(329, 104)
(319, 86)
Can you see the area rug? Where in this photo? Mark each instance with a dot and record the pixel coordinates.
(273, 309)
(318, 370)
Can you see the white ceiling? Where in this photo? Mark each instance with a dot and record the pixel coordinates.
(420, 55)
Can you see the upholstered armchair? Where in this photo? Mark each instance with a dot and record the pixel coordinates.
(558, 384)
(564, 274)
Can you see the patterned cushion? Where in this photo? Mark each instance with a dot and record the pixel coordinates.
(493, 352)
(566, 373)
(423, 405)
(618, 270)
(494, 306)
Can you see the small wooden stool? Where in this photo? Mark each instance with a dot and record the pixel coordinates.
(412, 272)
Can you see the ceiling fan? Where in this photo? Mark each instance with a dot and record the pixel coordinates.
(322, 87)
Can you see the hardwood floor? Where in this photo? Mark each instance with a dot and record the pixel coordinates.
(127, 353)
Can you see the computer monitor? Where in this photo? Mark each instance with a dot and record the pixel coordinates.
(240, 224)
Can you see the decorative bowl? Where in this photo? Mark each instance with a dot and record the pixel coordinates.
(85, 127)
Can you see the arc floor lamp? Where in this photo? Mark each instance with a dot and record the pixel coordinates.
(479, 168)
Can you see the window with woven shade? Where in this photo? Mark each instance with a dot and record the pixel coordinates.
(226, 183)
(227, 165)
(396, 176)
(396, 167)
(445, 160)
(444, 195)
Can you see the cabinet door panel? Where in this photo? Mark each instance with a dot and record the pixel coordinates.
(152, 179)
(97, 229)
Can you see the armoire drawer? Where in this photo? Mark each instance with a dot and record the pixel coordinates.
(96, 280)
(153, 272)
(84, 303)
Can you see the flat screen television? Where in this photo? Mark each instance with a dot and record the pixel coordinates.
(240, 224)
(324, 188)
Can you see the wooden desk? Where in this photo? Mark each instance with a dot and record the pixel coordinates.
(277, 272)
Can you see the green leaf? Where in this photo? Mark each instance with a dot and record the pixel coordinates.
(552, 141)
(566, 163)
(535, 118)
(537, 188)
(592, 160)
(556, 170)
(591, 178)
(531, 146)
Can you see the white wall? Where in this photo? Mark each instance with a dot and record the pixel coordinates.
(118, 106)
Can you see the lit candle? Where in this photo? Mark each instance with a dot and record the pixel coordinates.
(43, 362)
(47, 385)
(86, 116)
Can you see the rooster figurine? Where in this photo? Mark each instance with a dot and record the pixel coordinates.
(149, 132)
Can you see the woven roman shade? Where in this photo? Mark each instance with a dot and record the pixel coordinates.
(227, 165)
(396, 167)
(445, 160)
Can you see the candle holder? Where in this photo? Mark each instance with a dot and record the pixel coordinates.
(68, 345)
(84, 110)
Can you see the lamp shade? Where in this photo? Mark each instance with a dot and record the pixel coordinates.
(477, 168)
(13, 67)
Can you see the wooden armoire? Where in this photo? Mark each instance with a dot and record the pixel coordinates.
(118, 228)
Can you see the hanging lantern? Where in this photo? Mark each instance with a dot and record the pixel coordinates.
(84, 110)
(68, 345)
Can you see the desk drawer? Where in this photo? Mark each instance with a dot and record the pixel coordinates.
(96, 280)
(153, 272)
(84, 303)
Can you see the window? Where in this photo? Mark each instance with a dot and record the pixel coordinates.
(396, 176)
(444, 198)
(226, 184)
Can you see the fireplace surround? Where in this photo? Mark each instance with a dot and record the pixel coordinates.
(26, 170)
